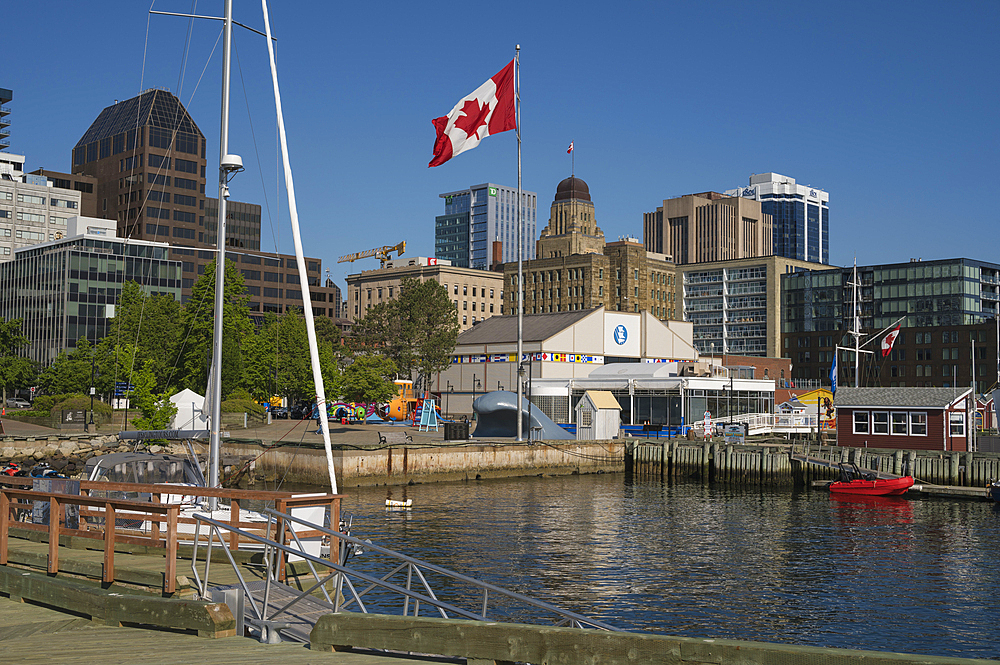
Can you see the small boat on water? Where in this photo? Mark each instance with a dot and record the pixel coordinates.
(993, 489)
(866, 483)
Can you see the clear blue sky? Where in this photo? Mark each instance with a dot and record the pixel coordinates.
(891, 107)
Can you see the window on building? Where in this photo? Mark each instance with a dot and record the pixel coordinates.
(861, 422)
(918, 423)
(880, 422)
(899, 423)
(956, 422)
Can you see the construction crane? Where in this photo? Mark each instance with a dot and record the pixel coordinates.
(383, 253)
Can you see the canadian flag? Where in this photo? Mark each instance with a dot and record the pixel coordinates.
(889, 340)
(488, 110)
(570, 149)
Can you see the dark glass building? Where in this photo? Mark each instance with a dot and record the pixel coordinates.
(944, 307)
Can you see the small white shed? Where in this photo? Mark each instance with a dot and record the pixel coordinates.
(189, 414)
(598, 416)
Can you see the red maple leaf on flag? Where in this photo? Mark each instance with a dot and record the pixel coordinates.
(474, 117)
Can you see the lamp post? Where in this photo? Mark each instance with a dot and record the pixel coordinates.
(476, 383)
(93, 380)
(499, 387)
(451, 389)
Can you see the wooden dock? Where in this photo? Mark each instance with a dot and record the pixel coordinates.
(33, 634)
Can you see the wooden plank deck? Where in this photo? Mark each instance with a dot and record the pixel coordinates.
(30, 634)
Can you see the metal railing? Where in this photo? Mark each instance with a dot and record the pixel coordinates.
(759, 423)
(407, 578)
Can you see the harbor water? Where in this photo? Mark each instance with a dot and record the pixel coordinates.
(683, 558)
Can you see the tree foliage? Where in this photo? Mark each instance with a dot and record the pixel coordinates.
(198, 330)
(156, 408)
(152, 325)
(15, 371)
(417, 331)
(369, 379)
(277, 360)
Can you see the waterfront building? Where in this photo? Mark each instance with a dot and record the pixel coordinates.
(735, 305)
(479, 226)
(904, 418)
(476, 294)
(577, 270)
(699, 228)
(648, 364)
(65, 289)
(943, 306)
(801, 215)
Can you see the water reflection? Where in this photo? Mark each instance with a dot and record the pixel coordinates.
(688, 559)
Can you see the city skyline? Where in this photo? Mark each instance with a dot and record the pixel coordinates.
(887, 109)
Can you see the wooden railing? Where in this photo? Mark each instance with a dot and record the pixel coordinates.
(18, 499)
(95, 509)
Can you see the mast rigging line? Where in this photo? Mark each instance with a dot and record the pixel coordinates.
(300, 260)
(175, 129)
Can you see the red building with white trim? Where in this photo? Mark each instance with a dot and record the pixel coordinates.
(903, 418)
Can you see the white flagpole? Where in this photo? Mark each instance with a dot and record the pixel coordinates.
(300, 260)
(520, 243)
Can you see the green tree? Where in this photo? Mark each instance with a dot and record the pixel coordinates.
(152, 323)
(69, 372)
(369, 379)
(277, 360)
(417, 331)
(15, 371)
(198, 326)
(156, 408)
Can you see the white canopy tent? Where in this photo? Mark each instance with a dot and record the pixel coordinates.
(190, 411)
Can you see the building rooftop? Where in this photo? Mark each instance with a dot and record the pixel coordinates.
(537, 327)
(937, 398)
(158, 108)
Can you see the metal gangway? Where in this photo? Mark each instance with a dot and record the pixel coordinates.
(404, 585)
(767, 423)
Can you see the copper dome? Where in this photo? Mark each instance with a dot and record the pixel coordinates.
(572, 188)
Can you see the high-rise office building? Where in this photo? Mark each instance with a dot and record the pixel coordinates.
(708, 227)
(148, 158)
(32, 211)
(735, 305)
(482, 217)
(801, 215)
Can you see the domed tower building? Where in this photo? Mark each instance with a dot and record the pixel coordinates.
(572, 227)
(576, 269)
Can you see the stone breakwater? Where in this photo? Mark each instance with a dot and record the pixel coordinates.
(68, 454)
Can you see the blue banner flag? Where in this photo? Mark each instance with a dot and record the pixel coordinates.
(833, 374)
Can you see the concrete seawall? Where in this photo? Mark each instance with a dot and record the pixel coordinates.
(420, 463)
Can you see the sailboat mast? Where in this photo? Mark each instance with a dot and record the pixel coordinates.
(857, 324)
(215, 376)
(300, 260)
